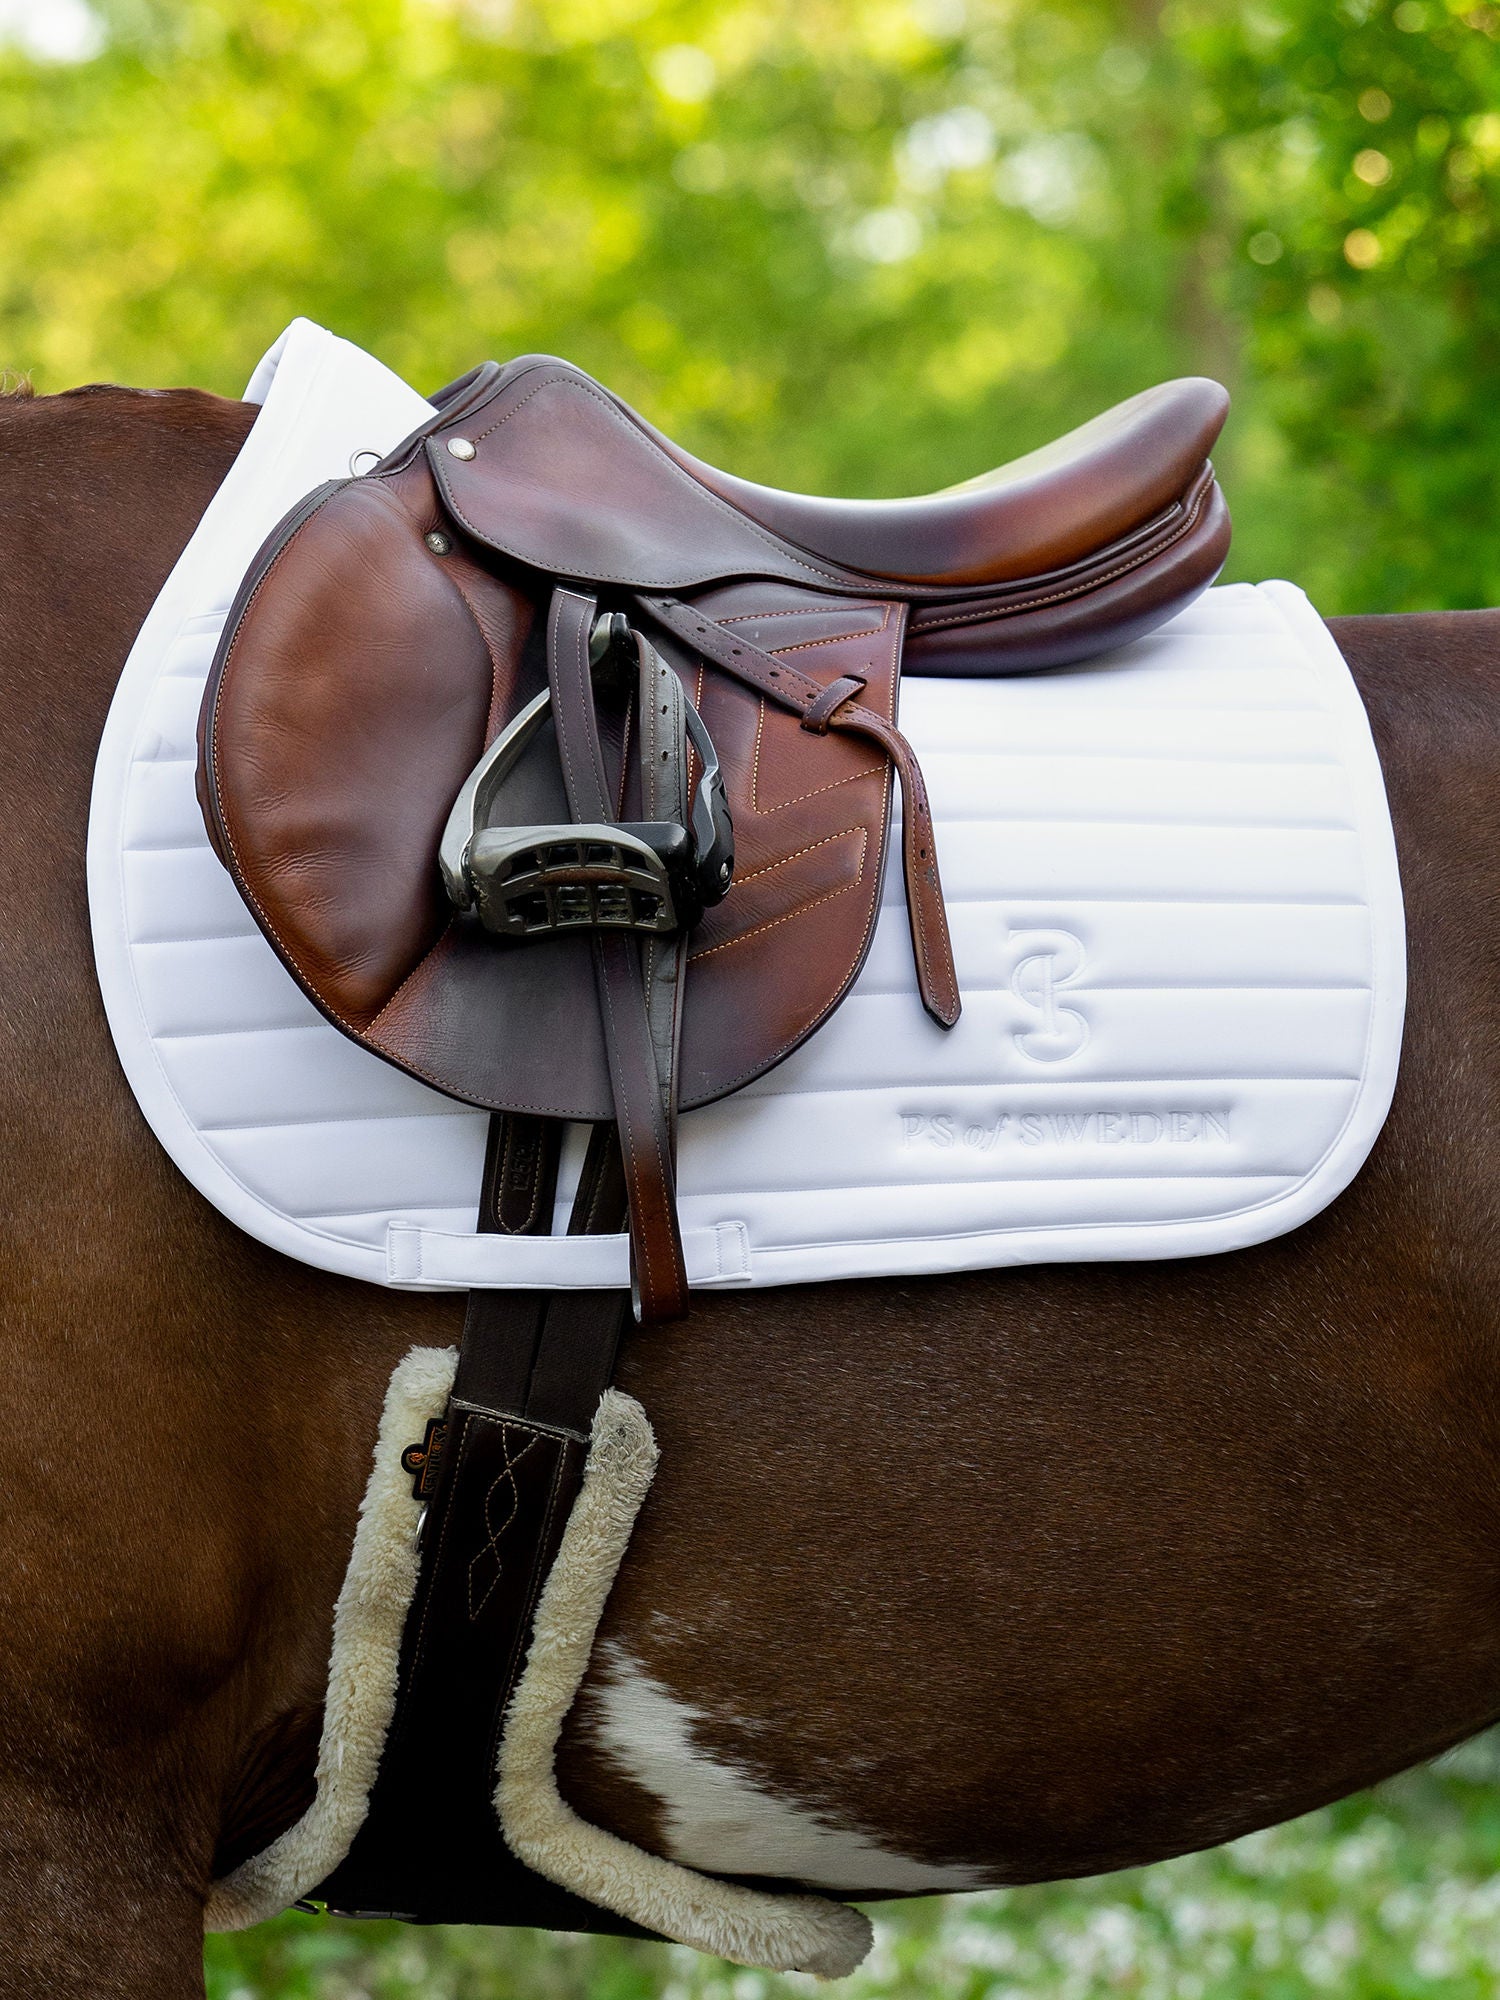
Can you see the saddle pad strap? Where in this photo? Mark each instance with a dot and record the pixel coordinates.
(659, 1270)
(786, 685)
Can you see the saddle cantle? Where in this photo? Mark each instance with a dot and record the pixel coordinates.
(537, 547)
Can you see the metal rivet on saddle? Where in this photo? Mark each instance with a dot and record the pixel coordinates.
(439, 543)
(460, 448)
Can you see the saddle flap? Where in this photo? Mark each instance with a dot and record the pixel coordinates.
(372, 656)
(366, 696)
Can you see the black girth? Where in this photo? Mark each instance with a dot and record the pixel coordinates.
(499, 1475)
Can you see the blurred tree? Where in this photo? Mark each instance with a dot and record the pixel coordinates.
(1358, 153)
(865, 249)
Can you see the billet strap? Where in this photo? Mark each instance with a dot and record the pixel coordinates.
(546, 1356)
(836, 707)
(519, 1184)
(658, 1266)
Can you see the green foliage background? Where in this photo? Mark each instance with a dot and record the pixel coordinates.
(861, 246)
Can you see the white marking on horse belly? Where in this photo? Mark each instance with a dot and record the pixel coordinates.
(716, 1816)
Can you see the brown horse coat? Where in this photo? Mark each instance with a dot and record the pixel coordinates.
(1034, 1573)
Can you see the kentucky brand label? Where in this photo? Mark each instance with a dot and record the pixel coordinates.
(424, 1460)
(1178, 1126)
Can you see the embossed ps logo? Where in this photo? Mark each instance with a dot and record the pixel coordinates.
(1049, 961)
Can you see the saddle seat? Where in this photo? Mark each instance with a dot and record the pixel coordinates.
(1097, 484)
(450, 613)
(1084, 544)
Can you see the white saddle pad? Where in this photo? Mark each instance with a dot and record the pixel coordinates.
(1175, 909)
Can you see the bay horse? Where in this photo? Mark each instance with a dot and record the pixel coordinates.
(946, 1582)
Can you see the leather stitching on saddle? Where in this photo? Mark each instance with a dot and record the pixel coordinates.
(872, 770)
(792, 1041)
(886, 773)
(760, 721)
(804, 645)
(795, 690)
(811, 848)
(828, 896)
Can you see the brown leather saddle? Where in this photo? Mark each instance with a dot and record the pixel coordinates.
(557, 766)
(517, 582)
